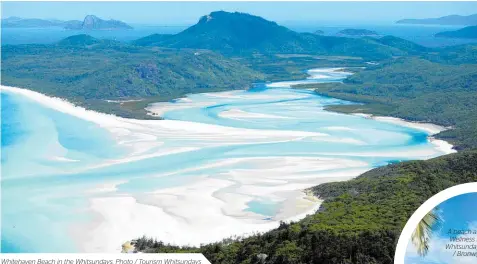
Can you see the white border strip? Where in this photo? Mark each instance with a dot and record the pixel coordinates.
(81, 258)
(423, 210)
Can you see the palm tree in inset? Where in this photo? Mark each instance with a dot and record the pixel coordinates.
(423, 232)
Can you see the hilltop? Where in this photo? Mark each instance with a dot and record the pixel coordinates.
(466, 33)
(230, 33)
(92, 22)
(404, 45)
(79, 40)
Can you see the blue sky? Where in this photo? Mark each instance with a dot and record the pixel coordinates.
(189, 12)
(458, 212)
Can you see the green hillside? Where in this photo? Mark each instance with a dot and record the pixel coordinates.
(418, 90)
(88, 71)
(359, 222)
(461, 54)
(82, 40)
(231, 33)
(466, 33)
(402, 44)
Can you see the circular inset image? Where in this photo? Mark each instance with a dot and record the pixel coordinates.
(442, 231)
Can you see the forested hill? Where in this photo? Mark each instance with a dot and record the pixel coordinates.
(464, 33)
(87, 71)
(359, 222)
(415, 89)
(238, 33)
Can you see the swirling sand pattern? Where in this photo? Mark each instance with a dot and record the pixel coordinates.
(221, 164)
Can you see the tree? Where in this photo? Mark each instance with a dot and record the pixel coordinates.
(423, 232)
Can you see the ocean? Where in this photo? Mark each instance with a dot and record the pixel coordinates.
(421, 34)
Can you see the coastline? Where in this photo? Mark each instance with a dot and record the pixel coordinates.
(112, 208)
(430, 128)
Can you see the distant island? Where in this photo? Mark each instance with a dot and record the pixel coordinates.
(445, 20)
(465, 33)
(218, 31)
(90, 22)
(319, 32)
(18, 22)
(357, 32)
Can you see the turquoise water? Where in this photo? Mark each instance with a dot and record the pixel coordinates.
(51, 161)
(265, 208)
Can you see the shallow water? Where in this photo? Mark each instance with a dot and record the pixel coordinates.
(253, 153)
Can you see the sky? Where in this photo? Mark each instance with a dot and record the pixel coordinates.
(183, 13)
(456, 213)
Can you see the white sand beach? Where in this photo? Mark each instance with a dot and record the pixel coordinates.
(211, 206)
(317, 74)
(187, 221)
(430, 128)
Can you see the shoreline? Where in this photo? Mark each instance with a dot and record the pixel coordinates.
(108, 206)
(430, 128)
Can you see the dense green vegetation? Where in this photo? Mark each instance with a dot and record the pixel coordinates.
(230, 33)
(278, 67)
(462, 54)
(88, 71)
(359, 221)
(467, 32)
(404, 45)
(415, 89)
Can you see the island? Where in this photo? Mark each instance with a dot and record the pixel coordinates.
(90, 22)
(357, 33)
(319, 32)
(445, 20)
(218, 31)
(18, 22)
